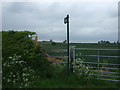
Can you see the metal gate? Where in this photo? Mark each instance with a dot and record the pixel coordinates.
(103, 70)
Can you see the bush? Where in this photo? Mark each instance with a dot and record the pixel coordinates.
(81, 70)
(23, 64)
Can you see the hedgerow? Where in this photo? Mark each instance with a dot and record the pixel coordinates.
(22, 62)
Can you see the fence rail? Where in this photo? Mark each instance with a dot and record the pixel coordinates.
(105, 68)
(111, 75)
(96, 49)
(99, 56)
(106, 75)
(114, 75)
(101, 63)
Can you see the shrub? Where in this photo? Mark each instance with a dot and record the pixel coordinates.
(81, 70)
(23, 64)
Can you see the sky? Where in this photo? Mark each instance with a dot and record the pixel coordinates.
(89, 21)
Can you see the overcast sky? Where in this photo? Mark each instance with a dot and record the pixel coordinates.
(89, 22)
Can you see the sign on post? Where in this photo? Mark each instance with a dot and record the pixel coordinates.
(65, 20)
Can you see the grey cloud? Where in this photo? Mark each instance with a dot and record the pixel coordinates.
(88, 21)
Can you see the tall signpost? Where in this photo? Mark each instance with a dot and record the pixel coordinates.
(66, 20)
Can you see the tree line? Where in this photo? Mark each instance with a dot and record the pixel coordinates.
(103, 41)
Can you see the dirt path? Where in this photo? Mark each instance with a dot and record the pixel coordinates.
(54, 59)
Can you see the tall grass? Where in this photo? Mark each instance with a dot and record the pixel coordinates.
(61, 79)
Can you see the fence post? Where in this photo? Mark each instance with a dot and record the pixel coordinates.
(72, 57)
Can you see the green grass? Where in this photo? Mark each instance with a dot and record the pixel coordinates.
(48, 46)
(72, 82)
(60, 79)
(57, 54)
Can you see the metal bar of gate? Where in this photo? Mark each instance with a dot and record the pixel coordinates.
(114, 74)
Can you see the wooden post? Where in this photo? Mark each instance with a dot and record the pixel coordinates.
(72, 57)
(36, 41)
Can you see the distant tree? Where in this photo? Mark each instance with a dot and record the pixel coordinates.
(118, 41)
(107, 42)
(51, 40)
(103, 41)
(64, 41)
(98, 41)
(53, 43)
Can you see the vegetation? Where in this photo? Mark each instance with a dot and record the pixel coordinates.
(25, 66)
(53, 43)
(93, 82)
(80, 78)
(65, 41)
(48, 46)
(103, 41)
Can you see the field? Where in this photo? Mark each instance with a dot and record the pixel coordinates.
(56, 50)
(60, 48)
(48, 45)
(52, 50)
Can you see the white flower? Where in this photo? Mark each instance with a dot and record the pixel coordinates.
(8, 80)
(80, 68)
(8, 65)
(26, 79)
(21, 62)
(24, 69)
(26, 85)
(11, 72)
(13, 81)
(10, 57)
(19, 56)
(13, 59)
(27, 74)
(13, 75)
(24, 74)
(16, 61)
(4, 64)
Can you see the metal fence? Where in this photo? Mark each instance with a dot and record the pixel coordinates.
(98, 68)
